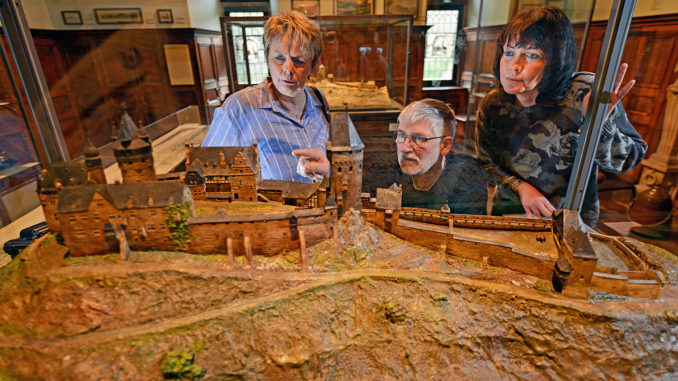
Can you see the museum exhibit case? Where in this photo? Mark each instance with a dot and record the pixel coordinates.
(366, 64)
(177, 261)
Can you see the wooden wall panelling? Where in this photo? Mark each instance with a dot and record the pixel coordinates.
(220, 66)
(186, 95)
(207, 72)
(651, 51)
(87, 81)
(208, 69)
(104, 68)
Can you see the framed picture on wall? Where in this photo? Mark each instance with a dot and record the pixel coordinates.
(353, 7)
(165, 16)
(71, 17)
(118, 16)
(309, 8)
(401, 7)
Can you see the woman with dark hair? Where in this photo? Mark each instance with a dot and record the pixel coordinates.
(529, 127)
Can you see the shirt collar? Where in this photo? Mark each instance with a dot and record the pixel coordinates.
(267, 100)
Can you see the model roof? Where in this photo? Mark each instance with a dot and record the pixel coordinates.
(290, 189)
(211, 156)
(388, 199)
(124, 196)
(343, 135)
(71, 173)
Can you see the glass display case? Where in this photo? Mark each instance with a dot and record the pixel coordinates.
(366, 64)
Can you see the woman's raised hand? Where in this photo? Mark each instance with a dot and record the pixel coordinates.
(617, 93)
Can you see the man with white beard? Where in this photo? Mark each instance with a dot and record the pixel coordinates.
(431, 175)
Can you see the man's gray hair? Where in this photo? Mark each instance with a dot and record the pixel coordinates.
(437, 113)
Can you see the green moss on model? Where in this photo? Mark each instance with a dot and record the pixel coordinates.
(177, 223)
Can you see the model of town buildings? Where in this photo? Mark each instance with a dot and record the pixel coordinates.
(188, 210)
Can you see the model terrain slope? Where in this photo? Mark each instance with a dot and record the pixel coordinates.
(214, 273)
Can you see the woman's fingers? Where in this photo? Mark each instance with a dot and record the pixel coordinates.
(313, 162)
(620, 76)
(545, 207)
(624, 90)
(312, 154)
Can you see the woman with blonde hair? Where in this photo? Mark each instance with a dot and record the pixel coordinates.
(286, 118)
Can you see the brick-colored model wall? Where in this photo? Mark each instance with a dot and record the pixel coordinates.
(267, 237)
(244, 186)
(84, 232)
(347, 176)
(49, 205)
(137, 171)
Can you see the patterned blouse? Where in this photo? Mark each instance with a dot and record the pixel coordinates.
(538, 143)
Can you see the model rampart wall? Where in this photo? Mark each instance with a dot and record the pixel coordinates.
(269, 235)
(491, 253)
(428, 216)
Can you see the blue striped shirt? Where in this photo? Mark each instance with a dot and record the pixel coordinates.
(253, 114)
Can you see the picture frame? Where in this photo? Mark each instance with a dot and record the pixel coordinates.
(71, 17)
(164, 16)
(118, 16)
(401, 7)
(353, 7)
(309, 8)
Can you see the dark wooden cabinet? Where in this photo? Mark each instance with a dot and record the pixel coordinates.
(651, 51)
(92, 73)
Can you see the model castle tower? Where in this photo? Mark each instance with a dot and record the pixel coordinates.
(133, 152)
(345, 152)
(95, 167)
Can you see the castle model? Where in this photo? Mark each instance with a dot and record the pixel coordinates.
(188, 210)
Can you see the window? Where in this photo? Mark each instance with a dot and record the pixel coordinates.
(440, 55)
(255, 59)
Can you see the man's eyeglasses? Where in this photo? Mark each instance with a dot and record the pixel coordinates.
(415, 140)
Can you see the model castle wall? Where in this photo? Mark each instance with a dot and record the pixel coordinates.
(144, 214)
(269, 234)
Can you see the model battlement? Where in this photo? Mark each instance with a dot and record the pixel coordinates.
(557, 249)
(192, 210)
